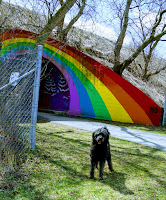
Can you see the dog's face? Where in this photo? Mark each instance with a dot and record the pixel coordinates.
(100, 136)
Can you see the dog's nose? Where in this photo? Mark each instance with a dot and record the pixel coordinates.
(100, 138)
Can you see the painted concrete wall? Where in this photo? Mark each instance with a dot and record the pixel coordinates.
(95, 91)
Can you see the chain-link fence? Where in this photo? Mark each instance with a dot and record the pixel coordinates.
(17, 75)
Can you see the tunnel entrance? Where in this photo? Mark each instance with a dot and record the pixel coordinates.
(54, 91)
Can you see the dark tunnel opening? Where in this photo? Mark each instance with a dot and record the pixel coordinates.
(54, 91)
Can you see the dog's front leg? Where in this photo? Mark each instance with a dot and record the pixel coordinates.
(92, 169)
(101, 170)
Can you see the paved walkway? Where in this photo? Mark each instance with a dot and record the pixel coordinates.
(141, 137)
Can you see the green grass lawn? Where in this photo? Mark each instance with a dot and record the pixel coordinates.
(59, 169)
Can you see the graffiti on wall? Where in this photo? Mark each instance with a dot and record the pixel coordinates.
(54, 90)
(92, 90)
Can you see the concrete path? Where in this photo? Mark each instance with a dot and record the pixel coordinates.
(141, 137)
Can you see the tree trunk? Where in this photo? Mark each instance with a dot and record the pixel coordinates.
(119, 42)
(54, 21)
(62, 36)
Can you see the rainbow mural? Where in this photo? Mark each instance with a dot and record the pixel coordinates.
(92, 90)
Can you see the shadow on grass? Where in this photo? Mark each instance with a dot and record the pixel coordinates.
(149, 171)
(123, 151)
(16, 185)
(73, 141)
(117, 181)
(134, 159)
(61, 163)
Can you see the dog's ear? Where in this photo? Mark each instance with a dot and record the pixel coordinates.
(107, 133)
(93, 137)
(93, 134)
(107, 130)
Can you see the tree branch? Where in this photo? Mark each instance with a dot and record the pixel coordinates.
(128, 61)
(155, 73)
(54, 21)
(120, 39)
(157, 22)
(66, 30)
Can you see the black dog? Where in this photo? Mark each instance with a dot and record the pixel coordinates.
(100, 151)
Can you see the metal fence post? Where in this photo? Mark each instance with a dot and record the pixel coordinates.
(164, 114)
(35, 97)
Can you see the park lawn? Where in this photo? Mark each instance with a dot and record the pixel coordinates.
(59, 169)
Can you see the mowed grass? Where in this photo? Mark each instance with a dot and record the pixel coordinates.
(59, 169)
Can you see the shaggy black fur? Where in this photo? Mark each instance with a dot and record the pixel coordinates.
(100, 151)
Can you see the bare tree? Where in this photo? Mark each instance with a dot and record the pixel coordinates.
(54, 20)
(155, 32)
(63, 30)
(118, 45)
(148, 52)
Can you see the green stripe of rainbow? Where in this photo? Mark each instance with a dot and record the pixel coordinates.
(101, 93)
